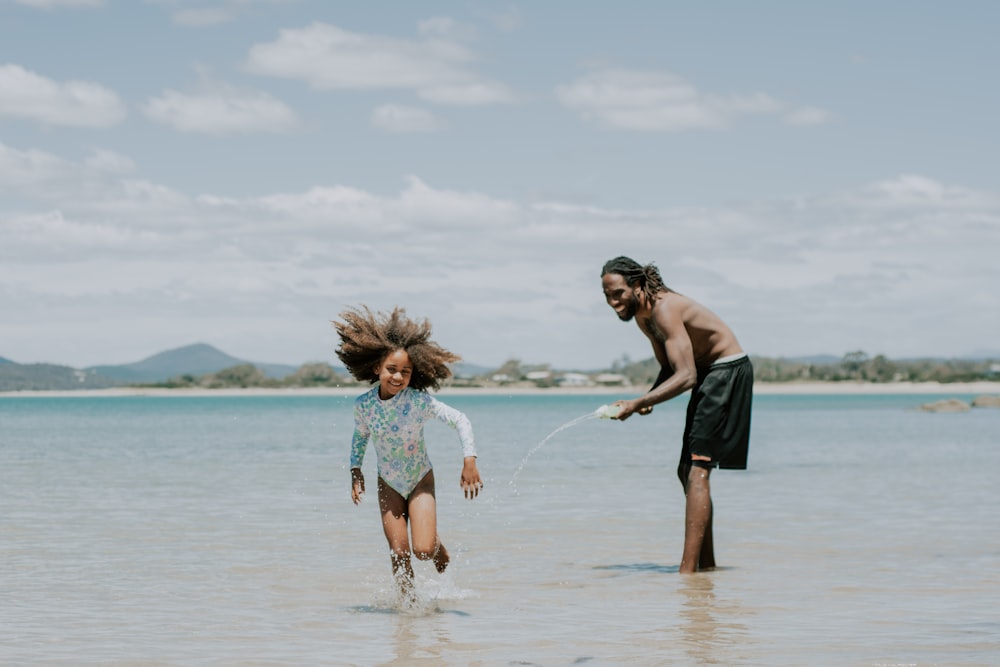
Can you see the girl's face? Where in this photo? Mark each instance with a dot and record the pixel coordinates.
(394, 374)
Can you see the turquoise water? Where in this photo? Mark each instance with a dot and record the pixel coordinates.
(219, 531)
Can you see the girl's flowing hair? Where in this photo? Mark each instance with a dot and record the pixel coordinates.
(367, 338)
(648, 276)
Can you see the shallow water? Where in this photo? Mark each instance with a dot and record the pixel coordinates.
(531, 452)
(219, 531)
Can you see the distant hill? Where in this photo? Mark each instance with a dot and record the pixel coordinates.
(196, 359)
(46, 377)
(193, 365)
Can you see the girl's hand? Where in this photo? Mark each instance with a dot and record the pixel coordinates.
(357, 485)
(471, 482)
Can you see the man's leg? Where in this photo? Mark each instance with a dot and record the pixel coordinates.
(698, 547)
(706, 559)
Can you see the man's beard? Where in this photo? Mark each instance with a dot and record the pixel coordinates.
(629, 312)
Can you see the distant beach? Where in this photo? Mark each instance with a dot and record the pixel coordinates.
(761, 388)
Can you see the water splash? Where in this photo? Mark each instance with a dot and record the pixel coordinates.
(443, 588)
(573, 422)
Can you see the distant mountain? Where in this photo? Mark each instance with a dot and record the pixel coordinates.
(46, 377)
(5, 361)
(197, 359)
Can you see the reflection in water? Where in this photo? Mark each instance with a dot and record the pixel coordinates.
(712, 631)
(640, 567)
(420, 639)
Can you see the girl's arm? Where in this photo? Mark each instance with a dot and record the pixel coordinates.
(357, 485)
(458, 421)
(470, 480)
(359, 443)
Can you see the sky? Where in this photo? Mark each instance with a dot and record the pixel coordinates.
(823, 176)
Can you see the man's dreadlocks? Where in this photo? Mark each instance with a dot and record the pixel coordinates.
(647, 277)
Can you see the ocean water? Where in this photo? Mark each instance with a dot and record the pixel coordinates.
(160, 531)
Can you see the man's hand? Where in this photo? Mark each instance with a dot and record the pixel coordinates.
(470, 481)
(357, 485)
(627, 408)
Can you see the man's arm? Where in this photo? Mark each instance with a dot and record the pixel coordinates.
(675, 354)
(665, 372)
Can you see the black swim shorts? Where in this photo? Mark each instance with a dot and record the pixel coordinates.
(718, 417)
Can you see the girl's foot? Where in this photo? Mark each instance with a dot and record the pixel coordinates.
(407, 590)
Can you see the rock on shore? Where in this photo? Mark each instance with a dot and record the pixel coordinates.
(947, 405)
(986, 402)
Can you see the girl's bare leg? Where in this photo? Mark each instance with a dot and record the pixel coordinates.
(422, 507)
(394, 518)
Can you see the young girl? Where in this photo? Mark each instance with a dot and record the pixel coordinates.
(397, 354)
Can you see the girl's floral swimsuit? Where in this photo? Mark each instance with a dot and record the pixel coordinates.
(397, 427)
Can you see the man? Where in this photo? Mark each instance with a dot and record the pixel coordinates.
(698, 352)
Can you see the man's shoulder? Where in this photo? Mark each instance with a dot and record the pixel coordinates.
(671, 299)
(667, 306)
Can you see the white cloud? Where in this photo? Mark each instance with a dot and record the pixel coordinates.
(138, 236)
(398, 118)
(446, 27)
(326, 57)
(339, 204)
(110, 162)
(507, 20)
(26, 94)
(32, 172)
(834, 272)
(48, 231)
(664, 102)
(913, 189)
(52, 4)
(201, 14)
(424, 207)
(221, 110)
(466, 94)
(808, 116)
(92, 187)
(202, 17)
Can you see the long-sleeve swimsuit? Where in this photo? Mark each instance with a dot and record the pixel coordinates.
(396, 426)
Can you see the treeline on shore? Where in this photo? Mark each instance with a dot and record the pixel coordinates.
(853, 367)
(858, 366)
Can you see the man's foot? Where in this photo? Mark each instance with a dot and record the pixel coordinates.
(441, 558)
